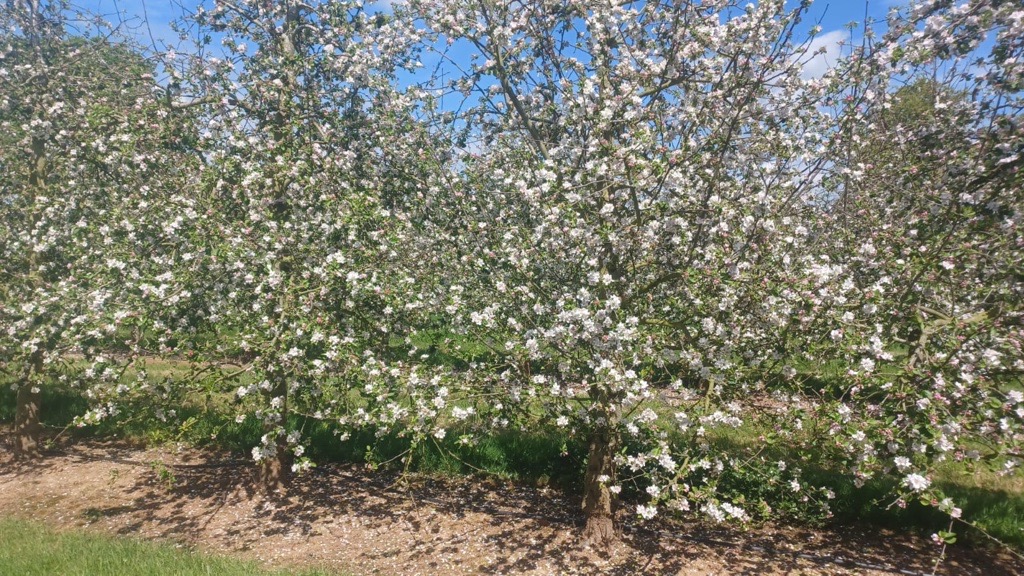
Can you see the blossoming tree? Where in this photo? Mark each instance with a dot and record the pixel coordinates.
(79, 136)
(634, 234)
(656, 225)
(294, 247)
(924, 239)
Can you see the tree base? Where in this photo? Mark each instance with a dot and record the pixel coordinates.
(599, 533)
(598, 501)
(27, 427)
(276, 473)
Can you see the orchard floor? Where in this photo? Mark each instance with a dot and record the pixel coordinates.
(358, 521)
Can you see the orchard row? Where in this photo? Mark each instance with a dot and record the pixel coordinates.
(641, 223)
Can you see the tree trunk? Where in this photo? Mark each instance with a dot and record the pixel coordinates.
(276, 471)
(26, 418)
(599, 531)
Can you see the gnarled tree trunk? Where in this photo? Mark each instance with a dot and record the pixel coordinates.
(26, 422)
(276, 471)
(598, 502)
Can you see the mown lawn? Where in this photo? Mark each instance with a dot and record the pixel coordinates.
(29, 549)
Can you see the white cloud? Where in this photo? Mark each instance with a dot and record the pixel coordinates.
(823, 52)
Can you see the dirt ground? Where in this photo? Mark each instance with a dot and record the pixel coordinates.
(364, 522)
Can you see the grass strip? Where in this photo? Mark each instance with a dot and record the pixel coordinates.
(30, 549)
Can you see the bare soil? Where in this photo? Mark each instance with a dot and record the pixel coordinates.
(358, 521)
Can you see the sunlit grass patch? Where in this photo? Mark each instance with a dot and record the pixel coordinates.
(29, 549)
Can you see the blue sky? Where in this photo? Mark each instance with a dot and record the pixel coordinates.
(150, 20)
(833, 15)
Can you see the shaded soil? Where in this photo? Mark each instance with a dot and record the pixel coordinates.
(359, 521)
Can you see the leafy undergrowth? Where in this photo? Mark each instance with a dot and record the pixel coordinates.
(29, 549)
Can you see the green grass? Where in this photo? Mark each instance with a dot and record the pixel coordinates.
(528, 457)
(29, 549)
(514, 455)
(60, 405)
(994, 505)
(991, 503)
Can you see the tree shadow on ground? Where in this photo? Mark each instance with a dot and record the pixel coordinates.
(365, 521)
